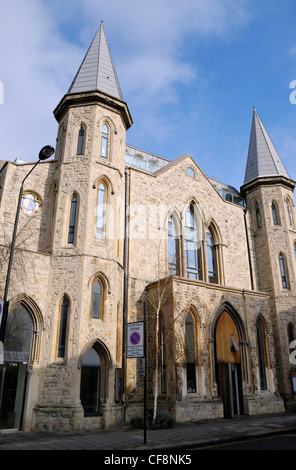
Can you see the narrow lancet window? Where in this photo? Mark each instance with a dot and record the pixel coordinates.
(97, 300)
(104, 141)
(100, 224)
(211, 257)
(72, 221)
(80, 144)
(190, 354)
(63, 327)
(274, 214)
(283, 272)
(258, 216)
(173, 248)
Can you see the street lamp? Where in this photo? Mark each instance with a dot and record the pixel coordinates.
(45, 153)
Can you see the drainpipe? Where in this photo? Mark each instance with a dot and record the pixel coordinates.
(248, 246)
(125, 280)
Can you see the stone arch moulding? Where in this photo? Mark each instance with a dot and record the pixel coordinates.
(109, 121)
(104, 179)
(37, 321)
(228, 308)
(103, 277)
(101, 349)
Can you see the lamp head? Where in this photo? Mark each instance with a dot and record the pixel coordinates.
(46, 152)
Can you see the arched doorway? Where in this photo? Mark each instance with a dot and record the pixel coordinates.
(94, 362)
(90, 383)
(13, 373)
(228, 365)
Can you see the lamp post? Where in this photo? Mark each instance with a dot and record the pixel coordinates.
(45, 153)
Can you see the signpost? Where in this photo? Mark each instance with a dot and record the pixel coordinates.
(136, 348)
(135, 340)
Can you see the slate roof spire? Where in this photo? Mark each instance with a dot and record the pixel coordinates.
(263, 159)
(97, 71)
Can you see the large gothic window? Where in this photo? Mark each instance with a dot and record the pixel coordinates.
(173, 247)
(192, 244)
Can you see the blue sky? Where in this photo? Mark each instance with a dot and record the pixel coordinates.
(190, 70)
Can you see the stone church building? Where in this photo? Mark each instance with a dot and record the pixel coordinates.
(110, 235)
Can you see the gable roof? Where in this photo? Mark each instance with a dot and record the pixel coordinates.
(263, 158)
(97, 71)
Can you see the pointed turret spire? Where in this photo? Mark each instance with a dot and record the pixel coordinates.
(263, 159)
(97, 71)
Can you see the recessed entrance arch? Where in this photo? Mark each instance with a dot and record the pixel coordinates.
(20, 350)
(228, 340)
(94, 362)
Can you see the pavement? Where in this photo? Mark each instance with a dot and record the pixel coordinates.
(181, 436)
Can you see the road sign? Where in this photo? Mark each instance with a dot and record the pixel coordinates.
(135, 340)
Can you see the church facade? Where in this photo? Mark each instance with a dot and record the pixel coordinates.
(110, 235)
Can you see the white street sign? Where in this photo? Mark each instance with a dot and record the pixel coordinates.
(135, 340)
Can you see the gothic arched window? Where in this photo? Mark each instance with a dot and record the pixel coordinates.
(192, 245)
(190, 353)
(63, 327)
(72, 219)
(101, 211)
(258, 216)
(98, 294)
(261, 353)
(283, 271)
(80, 142)
(104, 141)
(211, 257)
(173, 247)
(274, 214)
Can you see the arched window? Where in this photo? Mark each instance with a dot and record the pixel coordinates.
(190, 354)
(173, 248)
(211, 257)
(192, 248)
(190, 172)
(274, 214)
(258, 216)
(261, 353)
(101, 211)
(17, 356)
(289, 212)
(72, 219)
(283, 272)
(90, 383)
(97, 308)
(294, 246)
(104, 141)
(63, 327)
(80, 142)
